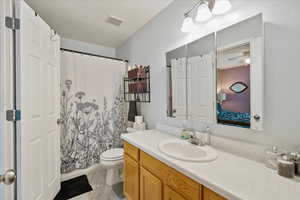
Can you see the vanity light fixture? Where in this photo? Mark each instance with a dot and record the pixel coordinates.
(203, 13)
(221, 7)
(188, 24)
(205, 10)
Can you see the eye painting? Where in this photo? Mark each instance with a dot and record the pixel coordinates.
(238, 87)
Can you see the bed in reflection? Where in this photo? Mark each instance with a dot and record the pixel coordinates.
(227, 117)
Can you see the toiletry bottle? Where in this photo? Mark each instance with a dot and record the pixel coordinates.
(186, 131)
(184, 134)
(207, 135)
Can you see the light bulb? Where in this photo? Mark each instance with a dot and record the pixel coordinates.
(188, 25)
(203, 13)
(248, 61)
(221, 7)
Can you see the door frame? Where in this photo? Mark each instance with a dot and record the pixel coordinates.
(6, 103)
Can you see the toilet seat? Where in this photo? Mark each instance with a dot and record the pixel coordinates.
(112, 154)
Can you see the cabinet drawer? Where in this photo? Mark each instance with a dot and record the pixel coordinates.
(185, 186)
(131, 150)
(153, 165)
(210, 195)
(170, 194)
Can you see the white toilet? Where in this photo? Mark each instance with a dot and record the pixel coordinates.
(112, 160)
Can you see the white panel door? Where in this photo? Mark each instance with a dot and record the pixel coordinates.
(200, 88)
(39, 90)
(179, 87)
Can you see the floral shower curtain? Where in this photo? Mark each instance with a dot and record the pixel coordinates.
(92, 109)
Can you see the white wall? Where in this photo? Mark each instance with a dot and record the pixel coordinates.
(87, 47)
(282, 71)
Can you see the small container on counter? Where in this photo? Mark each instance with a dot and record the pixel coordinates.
(296, 159)
(272, 155)
(297, 167)
(286, 167)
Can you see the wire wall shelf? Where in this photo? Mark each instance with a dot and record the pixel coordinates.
(137, 85)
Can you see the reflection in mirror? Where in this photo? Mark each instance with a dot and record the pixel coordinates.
(233, 86)
(240, 74)
(200, 79)
(177, 99)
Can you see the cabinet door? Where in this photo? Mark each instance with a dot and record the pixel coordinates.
(131, 178)
(170, 194)
(210, 195)
(150, 186)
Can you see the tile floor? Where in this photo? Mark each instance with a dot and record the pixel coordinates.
(101, 191)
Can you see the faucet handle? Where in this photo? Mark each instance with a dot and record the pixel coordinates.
(192, 135)
(207, 129)
(197, 139)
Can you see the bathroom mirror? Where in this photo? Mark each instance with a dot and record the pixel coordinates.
(239, 96)
(177, 85)
(201, 79)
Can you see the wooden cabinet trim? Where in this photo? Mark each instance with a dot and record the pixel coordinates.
(153, 165)
(151, 187)
(187, 187)
(170, 194)
(210, 195)
(132, 181)
(132, 151)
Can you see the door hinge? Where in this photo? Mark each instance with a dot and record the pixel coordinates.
(13, 115)
(12, 23)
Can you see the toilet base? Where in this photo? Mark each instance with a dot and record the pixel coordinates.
(113, 176)
(112, 161)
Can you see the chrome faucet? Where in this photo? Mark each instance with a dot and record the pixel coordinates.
(196, 140)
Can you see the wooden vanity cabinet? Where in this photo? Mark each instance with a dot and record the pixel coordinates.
(131, 178)
(132, 151)
(183, 185)
(170, 194)
(131, 169)
(146, 178)
(150, 186)
(210, 195)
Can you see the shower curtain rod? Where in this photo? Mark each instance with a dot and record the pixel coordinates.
(90, 54)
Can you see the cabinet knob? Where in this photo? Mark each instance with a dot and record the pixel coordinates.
(174, 110)
(256, 117)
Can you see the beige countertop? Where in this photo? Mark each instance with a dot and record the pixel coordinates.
(231, 176)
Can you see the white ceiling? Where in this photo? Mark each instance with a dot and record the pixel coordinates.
(85, 20)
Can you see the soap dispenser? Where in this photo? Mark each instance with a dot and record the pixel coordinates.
(186, 130)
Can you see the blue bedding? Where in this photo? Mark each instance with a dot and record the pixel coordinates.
(237, 118)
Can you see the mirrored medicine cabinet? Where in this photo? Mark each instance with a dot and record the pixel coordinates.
(218, 79)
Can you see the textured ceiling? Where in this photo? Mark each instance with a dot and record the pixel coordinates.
(85, 20)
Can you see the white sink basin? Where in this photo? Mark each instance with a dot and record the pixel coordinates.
(183, 150)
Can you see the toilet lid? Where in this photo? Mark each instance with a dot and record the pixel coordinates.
(113, 154)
